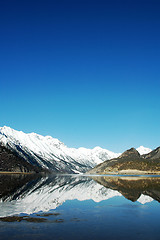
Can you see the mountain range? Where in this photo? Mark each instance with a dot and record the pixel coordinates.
(36, 153)
(131, 162)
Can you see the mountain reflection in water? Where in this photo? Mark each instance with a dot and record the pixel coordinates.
(132, 187)
(33, 193)
(79, 207)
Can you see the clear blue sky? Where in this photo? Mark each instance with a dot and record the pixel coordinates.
(85, 72)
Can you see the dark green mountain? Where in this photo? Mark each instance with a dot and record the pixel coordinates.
(10, 162)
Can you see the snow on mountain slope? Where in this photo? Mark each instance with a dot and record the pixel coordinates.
(143, 150)
(52, 154)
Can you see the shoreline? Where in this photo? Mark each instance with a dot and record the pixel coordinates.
(133, 172)
(139, 172)
(26, 173)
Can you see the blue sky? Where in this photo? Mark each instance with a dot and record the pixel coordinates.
(85, 72)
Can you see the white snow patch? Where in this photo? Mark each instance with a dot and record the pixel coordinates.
(143, 150)
(144, 199)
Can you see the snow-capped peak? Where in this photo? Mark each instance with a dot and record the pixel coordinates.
(50, 153)
(143, 150)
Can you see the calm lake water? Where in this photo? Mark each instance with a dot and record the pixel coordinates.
(79, 207)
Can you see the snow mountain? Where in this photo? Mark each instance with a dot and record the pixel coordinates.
(51, 154)
(143, 150)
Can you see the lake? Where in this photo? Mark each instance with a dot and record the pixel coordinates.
(79, 207)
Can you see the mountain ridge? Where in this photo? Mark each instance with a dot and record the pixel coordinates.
(131, 162)
(49, 153)
(46, 152)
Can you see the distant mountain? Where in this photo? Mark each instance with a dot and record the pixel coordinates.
(51, 154)
(155, 154)
(131, 162)
(143, 150)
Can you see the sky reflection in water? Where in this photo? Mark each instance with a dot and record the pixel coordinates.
(79, 207)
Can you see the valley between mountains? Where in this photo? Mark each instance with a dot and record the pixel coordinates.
(33, 153)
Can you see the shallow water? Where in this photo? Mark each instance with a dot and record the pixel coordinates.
(79, 207)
